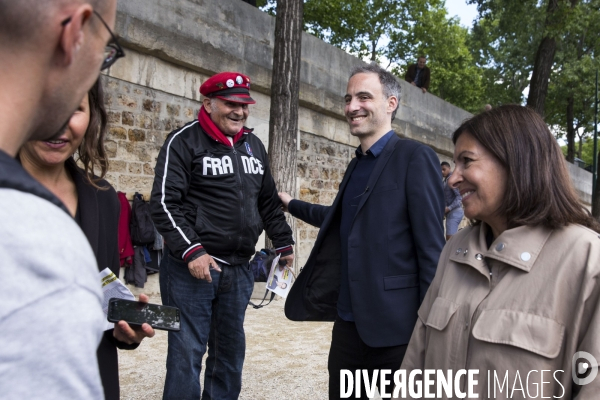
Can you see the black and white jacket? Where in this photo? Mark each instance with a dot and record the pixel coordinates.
(211, 198)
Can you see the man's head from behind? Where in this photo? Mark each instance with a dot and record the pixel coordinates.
(421, 62)
(56, 48)
(226, 99)
(371, 99)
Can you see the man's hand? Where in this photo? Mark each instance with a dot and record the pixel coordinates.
(124, 332)
(424, 90)
(200, 267)
(289, 260)
(447, 210)
(413, 83)
(285, 200)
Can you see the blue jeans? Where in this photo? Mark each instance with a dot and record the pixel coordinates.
(211, 314)
(453, 219)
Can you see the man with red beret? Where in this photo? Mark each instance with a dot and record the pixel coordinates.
(213, 194)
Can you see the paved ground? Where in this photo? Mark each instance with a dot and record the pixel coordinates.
(284, 359)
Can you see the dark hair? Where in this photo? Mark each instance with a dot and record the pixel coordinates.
(91, 153)
(538, 189)
(446, 163)
(389, 84)
(423, 57)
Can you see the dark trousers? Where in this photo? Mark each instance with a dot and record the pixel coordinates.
(212, 315)
(348, 351)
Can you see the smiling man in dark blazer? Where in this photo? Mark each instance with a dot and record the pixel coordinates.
(380, 240)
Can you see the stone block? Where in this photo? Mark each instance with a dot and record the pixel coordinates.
(135, 183)
(117, 133)
(190, 113)
(316, 183)
(148, 169)
(126, 101)
(117, 166)
(143, 121)
(137, 135)
(151, 106)
(127, 118)
(173, 110)
(304, 145)
(114, 117)
(135, 168)
(314, 172)
(110, 146)
(300, 169)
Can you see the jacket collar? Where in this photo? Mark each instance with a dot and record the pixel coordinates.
(14, 176)
(518, 247)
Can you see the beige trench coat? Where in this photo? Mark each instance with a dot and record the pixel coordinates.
(526, 304)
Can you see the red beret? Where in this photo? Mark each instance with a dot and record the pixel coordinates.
(230, 86)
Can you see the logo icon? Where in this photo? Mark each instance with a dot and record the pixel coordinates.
(580, 367)
(249, 149)
(229, 83)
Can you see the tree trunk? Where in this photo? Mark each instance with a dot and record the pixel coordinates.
(538, 87)
(596, 198)
(542, 67)
(570, 130)
(285, 88)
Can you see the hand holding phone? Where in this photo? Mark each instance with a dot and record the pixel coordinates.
(138, 313)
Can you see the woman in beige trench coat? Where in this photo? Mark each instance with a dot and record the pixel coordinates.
(516, 296)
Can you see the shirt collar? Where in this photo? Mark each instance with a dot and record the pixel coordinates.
(377, 147)
(518, 247)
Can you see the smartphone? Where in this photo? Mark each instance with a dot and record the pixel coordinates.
(136, 313)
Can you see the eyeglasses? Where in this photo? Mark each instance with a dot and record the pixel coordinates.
(113, 50)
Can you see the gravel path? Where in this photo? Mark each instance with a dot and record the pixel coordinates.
(284, 359)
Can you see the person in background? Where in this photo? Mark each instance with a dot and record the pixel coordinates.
(418, 74)
(516, 295)
(51, 318)
(453, 211)
(213, 193)
(380, 240)
(93, 203)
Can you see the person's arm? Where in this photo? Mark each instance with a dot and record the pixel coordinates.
(171, 183)
(313, 214)
(457, 200)
(425, 79)
(426, 204)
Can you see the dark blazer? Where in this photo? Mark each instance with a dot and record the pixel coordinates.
(411, 72)
(99, 220)
(393, 247)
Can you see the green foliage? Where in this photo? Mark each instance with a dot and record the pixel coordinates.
(574, 75)
(491, 63)
(360, 27)
(503, 42)
(396, 32)
(454, 76)
(587, 154)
